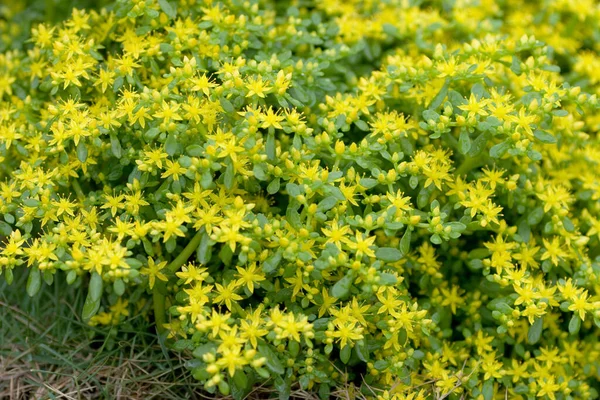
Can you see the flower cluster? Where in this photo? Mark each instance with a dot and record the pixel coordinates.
(398, 197)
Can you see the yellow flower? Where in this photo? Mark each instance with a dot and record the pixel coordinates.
(226, 294)
(361, 245)
(257, 87)
(153, 271)
(580, 304)
(553, 252)
(337, 233)
(347, 333)
(173, 170)
(249, 276)
(192, 274)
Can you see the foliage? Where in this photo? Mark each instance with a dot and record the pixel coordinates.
(47, 352)
(402, 196)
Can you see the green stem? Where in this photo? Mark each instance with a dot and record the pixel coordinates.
(158, 301)
(468, 164)
(159, 291)
(77, 189)
(49, 8)
(450, 139)
(186, 252)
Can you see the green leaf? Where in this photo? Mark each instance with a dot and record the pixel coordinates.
(456, 98)
(430, 115)
(259, 172)
(90, 308)
(283, 387)
(324, 391)
(560, 113)
(340, 121)
(488, 390)
(341, 289)
(271, 263)
(119, 287)
(204, 252)
(224, 388)
(151, 134)
(274, 186)
(381, 365)
(544, 137)
(405, 242)
(294, 348)
(457, 226)
(299, 93)
(48, 277)
(194, 150)
(535, 216)
(203, 349)
(535, 331)
(168, 8)
(206, 179)
(499, 150)
(362, 351)
(439, 98)
(345, 354)
(34, 281)
(424, 196)
(82, 151)
(362, 125)
(464, 142)
(368, 183)
(516, 66)
(273, 362)
(327, 203)
(574, 324)
(293, 189)
(8, 276)
(71, 276)
(5, 229)
(240, 379)
(534, 155)
(388, 254)
(478, 90)
(96, 285)
(413, 182)
(227, 106)
(9, 218)
(240, 385)
(387, 279)
(183, 344)
(171, 144)
(229, 177)
(115, 146)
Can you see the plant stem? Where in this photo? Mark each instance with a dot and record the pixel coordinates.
(468, 164)
(49, 9)
(186, 252)
(158, 302)
(77, 189)
(159, 291)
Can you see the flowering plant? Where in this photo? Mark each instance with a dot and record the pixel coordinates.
(401, 197)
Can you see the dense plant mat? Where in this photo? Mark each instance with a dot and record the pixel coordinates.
(400, 198)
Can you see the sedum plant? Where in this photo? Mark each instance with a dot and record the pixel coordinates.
(400, 198)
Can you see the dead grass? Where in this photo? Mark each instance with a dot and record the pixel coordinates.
(47, 352)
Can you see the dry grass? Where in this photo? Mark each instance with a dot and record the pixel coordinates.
(47, 352)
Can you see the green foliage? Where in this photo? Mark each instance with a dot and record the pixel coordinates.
(376, 195)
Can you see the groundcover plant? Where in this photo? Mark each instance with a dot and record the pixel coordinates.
(397, 197)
